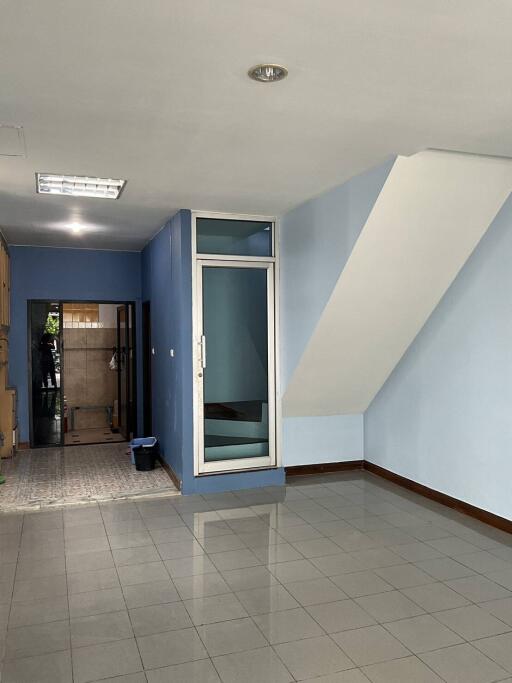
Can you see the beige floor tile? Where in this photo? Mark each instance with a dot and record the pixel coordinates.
(498, 648)
(96, 602)
(389, 606)
(358, 584)
(404, 576)
(39, 639)
(502, 609)
(153, 593)
(423, 633)
(49, 668)
(269, 599)
(479, 589)
(352, 676)
(370, 645)
(283, 627)
(200, 671)
(407, 670)
(463, 663)
(100, 628)
(39, 611)
(159, 618)
(340, 616)
(313, 657)
(171, 647)
(211, 609)
(315, 591)
(227, 637)
(472, 622)
(444, 568)
(95, 662)
(252, 667)
(201, 585)
(435, 597)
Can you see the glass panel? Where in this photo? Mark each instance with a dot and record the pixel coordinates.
(45, 356)
(244, 238)
(122, 369)
(235, 326)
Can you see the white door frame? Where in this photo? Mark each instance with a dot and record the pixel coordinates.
(228, 261)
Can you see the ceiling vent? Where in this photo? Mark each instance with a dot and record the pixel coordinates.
(12, 141)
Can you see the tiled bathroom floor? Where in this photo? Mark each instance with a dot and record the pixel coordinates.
(58, 476)
(337, 579)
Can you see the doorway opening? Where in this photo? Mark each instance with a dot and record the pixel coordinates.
(82, 372)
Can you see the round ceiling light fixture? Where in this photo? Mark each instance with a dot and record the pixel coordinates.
(268, 73)
(76, 228)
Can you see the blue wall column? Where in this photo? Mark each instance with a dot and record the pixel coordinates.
(167, 284)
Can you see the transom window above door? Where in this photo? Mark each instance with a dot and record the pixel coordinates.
(234, 237)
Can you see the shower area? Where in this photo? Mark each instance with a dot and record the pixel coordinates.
(82, 372)
(89, 338)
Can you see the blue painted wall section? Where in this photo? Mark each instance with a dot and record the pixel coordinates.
(443, 418)
(167, 284)
(75, 275)
(316, 240)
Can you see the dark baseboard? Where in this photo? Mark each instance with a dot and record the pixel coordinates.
(23, 445)
(324, 467)
(454, 503)
(172, 474)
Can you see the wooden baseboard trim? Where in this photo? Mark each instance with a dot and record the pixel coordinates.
(454, 503)
(172, 474)
(23, 445)
(324, 468)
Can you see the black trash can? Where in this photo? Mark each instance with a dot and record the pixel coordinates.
(145, 457)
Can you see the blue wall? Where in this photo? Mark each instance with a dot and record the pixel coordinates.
(444, 416)
(73, 274)
(167, 284)
(316, 240)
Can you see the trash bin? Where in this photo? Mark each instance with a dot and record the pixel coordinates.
(144, 453)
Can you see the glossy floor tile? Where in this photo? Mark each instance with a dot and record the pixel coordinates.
(332, 579)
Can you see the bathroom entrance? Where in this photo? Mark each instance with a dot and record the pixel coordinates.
(82, 372)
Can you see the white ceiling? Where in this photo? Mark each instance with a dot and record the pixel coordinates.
(430, 215)
(156, 92)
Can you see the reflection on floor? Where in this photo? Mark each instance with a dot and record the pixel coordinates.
(46, 416)
(56, 476)
(98, 435)
(344, 578)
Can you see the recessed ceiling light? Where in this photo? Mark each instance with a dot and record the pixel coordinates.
(268, 73)
(76, 228)
(79, 186)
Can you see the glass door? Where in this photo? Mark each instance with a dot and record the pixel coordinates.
(126, 370)
(234, 365)
(46, 400)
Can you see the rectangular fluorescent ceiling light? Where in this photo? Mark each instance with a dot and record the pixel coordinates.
(79, 186)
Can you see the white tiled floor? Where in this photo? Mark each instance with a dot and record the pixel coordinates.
(333, 579)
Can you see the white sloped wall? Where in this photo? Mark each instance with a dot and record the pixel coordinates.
(431, 213)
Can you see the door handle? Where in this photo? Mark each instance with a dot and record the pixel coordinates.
(203, 351)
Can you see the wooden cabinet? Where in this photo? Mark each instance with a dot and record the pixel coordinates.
(5, 286)
(8, 430)
(8, 421)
